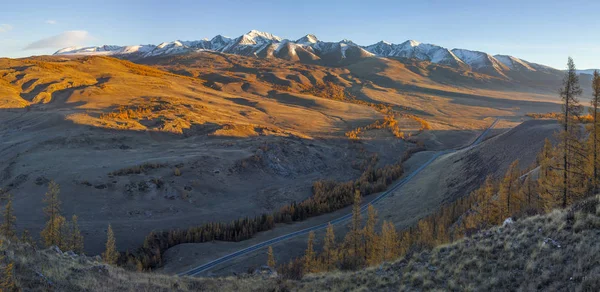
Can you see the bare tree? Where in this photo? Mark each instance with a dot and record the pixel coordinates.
(595, 128)
(571, 110)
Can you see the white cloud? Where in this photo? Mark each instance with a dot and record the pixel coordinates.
(5, 27)
(51, 21)
(65, 39)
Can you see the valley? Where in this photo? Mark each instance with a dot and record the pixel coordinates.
(179, 139)
(174, 143)
(299, 146)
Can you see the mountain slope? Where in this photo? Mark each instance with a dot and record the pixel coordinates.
(482, 62)
(553, 252)
(415, 50)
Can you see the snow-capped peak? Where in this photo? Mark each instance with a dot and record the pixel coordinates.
(411, 43)
(259, 37)
(308, 39)
(100, 50)
(67, 50)
(170, 44)
(476, 59)
(263, 44)
(514, 63)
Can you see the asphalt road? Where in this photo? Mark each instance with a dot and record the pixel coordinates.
(202, 268)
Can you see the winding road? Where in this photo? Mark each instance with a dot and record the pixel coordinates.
(202, 268)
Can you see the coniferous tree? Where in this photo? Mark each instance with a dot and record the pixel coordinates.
(8, 279)
(75, 239)
(329, 250)
(309, 255)
(370, 237)
(529, 193)
(270, 257)
(110, 255)
(389, 242)
(508, 190)
(55, 224)
(8, 220)
(548, 177)
(354, 236)
(490, 213)
(568, 137)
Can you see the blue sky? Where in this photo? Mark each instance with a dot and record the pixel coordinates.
(544, 32)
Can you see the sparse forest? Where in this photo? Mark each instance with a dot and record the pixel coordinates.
(328, 196)
(564, 173)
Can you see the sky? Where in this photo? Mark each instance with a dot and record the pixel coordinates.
(544, 32)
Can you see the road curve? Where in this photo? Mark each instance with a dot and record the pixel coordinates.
(199, 269)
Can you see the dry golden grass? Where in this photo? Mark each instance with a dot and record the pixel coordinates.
(553, 252)
(116, 94)
(49, 270)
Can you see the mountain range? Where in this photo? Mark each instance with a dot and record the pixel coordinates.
(309, 49)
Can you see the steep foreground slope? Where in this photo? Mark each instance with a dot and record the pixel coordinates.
(553, 252)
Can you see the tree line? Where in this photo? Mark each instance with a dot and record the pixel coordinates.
(328, 196)
(362, 246)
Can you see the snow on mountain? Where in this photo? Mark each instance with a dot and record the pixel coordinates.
(307, 40)
(219, 42)
(143, 49)
(514, 63)
(415, 50)
(309, 48)
(477, 59)
(340, 48)
(249, 44)
(100, 50)
(381, 48)
(254, 37)
(170, 48)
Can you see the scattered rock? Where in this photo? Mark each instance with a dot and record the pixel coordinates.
(549, 240)
(266, 272)
(101, 186)
(44, 278)
(56, 249)
(71, 254)
(507, 222)
(380, 271)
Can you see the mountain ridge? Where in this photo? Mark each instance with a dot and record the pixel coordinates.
(258, 44)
